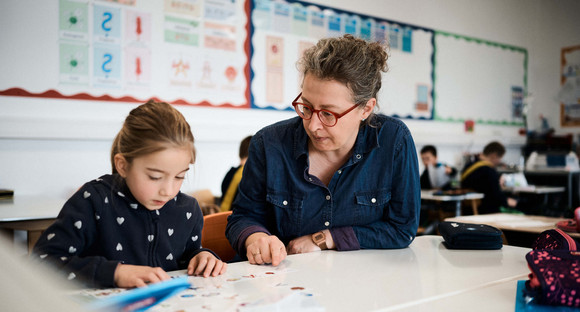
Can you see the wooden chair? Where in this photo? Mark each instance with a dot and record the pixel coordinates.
(213, 235)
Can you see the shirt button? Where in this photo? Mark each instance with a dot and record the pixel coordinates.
(285, 203)
(339, 171)
(373, 200)
(326, 223)
(327, 197)
(358, 156)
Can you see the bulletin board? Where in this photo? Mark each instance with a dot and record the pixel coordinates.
(569, 94)
(189, 52)
(281, 31)
(243, 54)
(479, 80)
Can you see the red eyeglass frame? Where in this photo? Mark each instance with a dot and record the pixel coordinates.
(336, 116)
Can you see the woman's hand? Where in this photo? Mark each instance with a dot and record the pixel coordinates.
(263, 248)
(206, 264)
(301, 244)
(305, 244)
(129, 276)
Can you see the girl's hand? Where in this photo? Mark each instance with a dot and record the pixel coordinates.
(129, 276)
(206, 264)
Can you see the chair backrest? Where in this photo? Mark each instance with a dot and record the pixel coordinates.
(213, 235)
(204, 197)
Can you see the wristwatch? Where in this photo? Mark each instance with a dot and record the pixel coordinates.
(319, 240)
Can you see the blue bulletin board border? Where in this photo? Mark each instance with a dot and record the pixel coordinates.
(338, 11)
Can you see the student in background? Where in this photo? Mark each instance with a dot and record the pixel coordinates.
(127, 228)
(429, 158)
(234, 176)
(481, 176)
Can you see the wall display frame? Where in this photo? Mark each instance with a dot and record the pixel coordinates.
(281, 31)
(179, 51)
(569, 95)
(479, 80)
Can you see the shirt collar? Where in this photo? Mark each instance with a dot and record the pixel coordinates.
(366, 140)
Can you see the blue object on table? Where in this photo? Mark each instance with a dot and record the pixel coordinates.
(521, 304)
(140, 299)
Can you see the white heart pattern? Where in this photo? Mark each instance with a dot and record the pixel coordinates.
(170, 232)
(71, 276)
(86, 194)
(150, 237)
(188, 215)
(454, 224)
(71, 249)
(169, 257)
(119, 247)
(63, 258)
(43, 256)
(79, 224)
(120, 220)
(97, 217)
(194, 238)
(106, 200)
(121, 194)
(50, 236)
(134, 206)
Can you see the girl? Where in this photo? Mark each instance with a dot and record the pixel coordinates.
(128, 228)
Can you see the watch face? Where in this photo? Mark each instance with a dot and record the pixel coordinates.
(318, 237)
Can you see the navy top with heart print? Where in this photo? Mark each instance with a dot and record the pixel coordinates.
(102, 225)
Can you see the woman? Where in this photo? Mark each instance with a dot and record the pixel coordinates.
(336, 177)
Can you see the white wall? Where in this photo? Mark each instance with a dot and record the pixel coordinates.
(46, 149)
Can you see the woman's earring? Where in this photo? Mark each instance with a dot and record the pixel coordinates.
(363, 119)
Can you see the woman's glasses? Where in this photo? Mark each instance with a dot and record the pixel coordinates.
(327, 117)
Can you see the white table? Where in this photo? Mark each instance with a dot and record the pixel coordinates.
(430, 195)
(32, 214)
(424, 277)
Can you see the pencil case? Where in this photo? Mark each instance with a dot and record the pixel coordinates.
(458, 235)
(554, 264)
(554, 239)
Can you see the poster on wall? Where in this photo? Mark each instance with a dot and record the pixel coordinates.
(189, 52)
(569, 95)
(282, 31)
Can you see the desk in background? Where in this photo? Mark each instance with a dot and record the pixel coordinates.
(32, 214)
(424, 277)
(519, 230)
(558, 177)
(473, 197)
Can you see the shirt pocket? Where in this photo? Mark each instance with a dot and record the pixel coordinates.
(370, 205)
(287, 210)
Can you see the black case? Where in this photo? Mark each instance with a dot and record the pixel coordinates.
(459, 235)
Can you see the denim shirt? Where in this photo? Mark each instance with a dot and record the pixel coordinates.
(372, 201)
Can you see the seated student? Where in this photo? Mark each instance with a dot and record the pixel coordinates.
(127, 228)
(234, 176)
(429, 158)
(481, 176)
